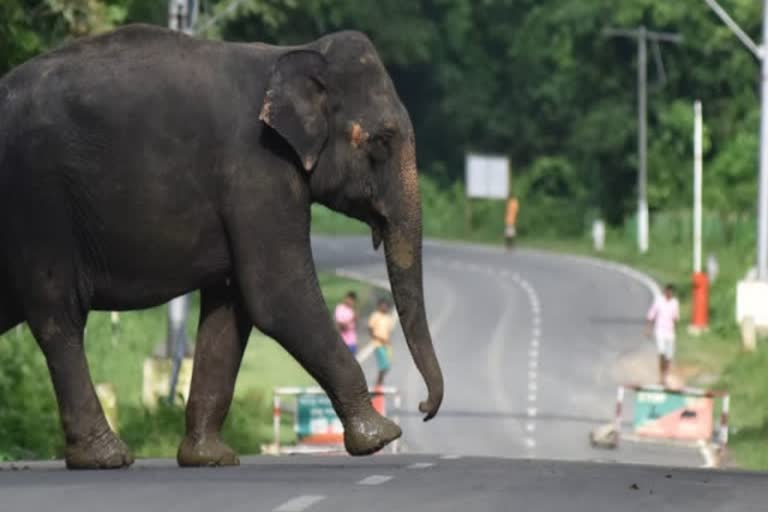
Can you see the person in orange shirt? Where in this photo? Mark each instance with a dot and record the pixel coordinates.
(380, 326)
(513, 205)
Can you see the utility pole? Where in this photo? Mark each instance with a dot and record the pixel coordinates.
(762, 187)
(642, 35)
(182, 16)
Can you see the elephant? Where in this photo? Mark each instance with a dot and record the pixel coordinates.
(142, 164)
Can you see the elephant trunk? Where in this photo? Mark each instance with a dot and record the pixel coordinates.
(402, 245)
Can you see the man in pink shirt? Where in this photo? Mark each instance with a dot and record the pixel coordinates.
(346, 321)
(662, 317)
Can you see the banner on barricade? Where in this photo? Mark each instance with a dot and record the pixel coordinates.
(673, 415)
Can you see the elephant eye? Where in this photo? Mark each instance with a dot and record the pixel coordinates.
(380, 146)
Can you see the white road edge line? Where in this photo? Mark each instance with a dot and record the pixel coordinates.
(374, 480)
(299, 503)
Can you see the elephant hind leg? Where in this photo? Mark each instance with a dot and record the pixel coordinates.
(90, 443)
(56, 316)
(221, 340)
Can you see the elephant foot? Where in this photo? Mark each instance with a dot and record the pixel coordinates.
(368, 433)
(209, 451)
(105, 451)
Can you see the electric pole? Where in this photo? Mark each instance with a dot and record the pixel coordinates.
(762, 183)
(642, 35)
(182, 16)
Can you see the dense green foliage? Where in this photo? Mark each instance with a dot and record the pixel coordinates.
(536, 80)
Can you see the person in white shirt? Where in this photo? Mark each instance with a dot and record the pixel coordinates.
(662, 319)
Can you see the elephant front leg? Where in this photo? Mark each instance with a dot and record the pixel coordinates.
(221, 340)
(283, 297)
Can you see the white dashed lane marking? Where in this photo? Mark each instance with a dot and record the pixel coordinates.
(450, 457)
(375, 480)
(299, 503)
(534, 352)
(421, 465)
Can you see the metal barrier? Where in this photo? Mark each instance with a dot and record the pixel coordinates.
(333, 438)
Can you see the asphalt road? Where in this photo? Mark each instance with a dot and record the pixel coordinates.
(531, 346)
(384, 483)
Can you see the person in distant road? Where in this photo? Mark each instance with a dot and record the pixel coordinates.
(510, 221)
(662, 322)
(380, 326)
(346, 320)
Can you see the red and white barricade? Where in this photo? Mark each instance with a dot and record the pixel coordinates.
(684, 414)
(317, 427)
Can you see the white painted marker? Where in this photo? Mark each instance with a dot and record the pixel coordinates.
(299, 503)
(374, 480)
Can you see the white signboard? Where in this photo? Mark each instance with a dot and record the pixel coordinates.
(752, 300)
(487, 176)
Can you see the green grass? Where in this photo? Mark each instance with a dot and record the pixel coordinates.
(29, 424)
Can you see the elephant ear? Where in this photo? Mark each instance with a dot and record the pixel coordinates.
(296, 103)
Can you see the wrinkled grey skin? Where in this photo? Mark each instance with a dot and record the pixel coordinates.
(142, 164)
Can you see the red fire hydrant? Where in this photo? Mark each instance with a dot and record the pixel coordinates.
(700, 317)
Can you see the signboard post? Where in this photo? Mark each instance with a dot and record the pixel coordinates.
(487, 177)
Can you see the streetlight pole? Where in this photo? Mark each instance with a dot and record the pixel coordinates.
(762, 198)
(181, 17)
(642, 139)
(762, 182)
(642, 35)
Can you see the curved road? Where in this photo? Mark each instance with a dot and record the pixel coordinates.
(529, 343)
(532, 347)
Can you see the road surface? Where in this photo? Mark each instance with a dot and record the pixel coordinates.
(532, 347)
(401, 483)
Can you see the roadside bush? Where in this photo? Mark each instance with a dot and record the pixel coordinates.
(29, 420)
